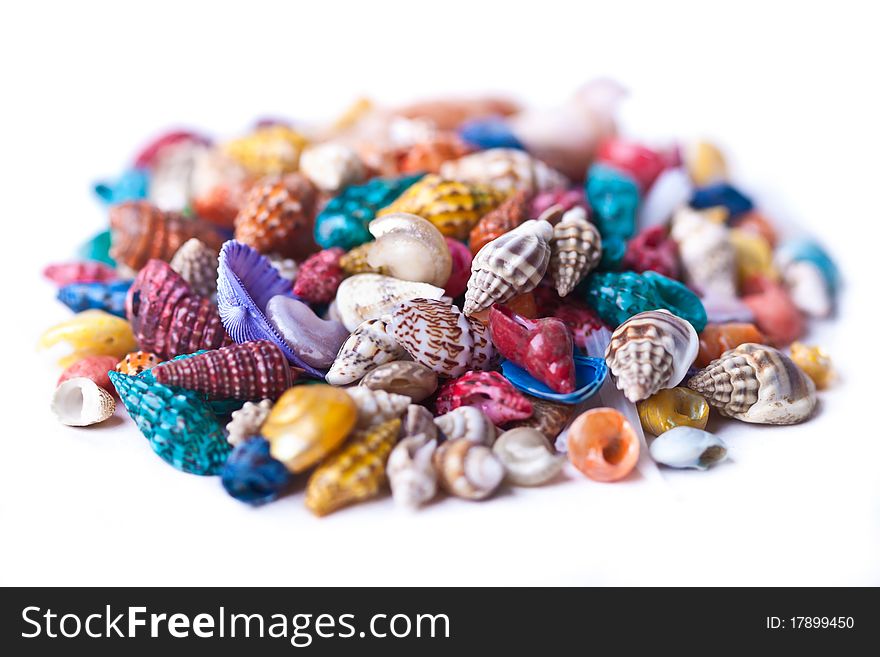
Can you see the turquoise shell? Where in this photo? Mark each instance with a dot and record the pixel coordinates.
(590, 374)
(613, 250)
(344, 221)
(180, 426)
(799, 250)
(132, 185)
(617, 296)
(614, 198)
(97, 248)
(220, 407)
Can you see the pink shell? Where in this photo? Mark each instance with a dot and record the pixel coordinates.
(488, 391)
(461, 267)
(319, 276)
(652, 249)
(89, 271)
(94, 368)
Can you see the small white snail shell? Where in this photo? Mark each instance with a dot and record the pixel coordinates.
(527, 457)
(410, 248)
(80, 402)
(688, 447)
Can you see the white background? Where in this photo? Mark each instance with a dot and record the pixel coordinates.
(789, 90)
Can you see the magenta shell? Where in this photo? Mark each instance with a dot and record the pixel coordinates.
(89, 271)
(461, 267)
(488, 391)
(319, 276)
(150, 154)
(567, 198)
(652, 250)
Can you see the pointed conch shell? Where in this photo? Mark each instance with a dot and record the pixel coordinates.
(511, 264)
(707, 254)
(410, 470)
(369, 296)
(527, 457)
(376, 406)
(467, 422)
(197, 264)
(80, 402)
(575, 250)
(369, 346)
(410, 248)
(756, 383)
(466, 469)
(505, 169)
(651, 351)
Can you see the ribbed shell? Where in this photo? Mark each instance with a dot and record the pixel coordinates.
(80, 402)
(651, 351)
(419, 420)
(706, 252)
(411, 472)
(197, 265)
(756, 383)
(466, 469)
(467, 422)
(502, 219)
(512, 264)
(247, 420)
(376, 406)
(370, 296)
(575, 250)
(369, 346)
(506, 169)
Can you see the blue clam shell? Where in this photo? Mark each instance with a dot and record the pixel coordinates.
(590, 374)
(722, 194)
(798, 250)
(132, 185)
(246, 281)
(252, 476)
(109, 297)
(489, 132)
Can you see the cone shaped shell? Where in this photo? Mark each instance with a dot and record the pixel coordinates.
(575, 250)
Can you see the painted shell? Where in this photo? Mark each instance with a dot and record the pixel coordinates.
(247, 420)
(512, 264)
(97, 248)
(722, 195)
(705, 163)
(137, 362)
(614, 199)
(90, 333)
(651, 351)
(641, 162)
(461, 268)
(810, 275)
(402, 377)
(575, 250)
(354, 473)
(528, 458)
(410, 248)
(332, 166)
(706, 251)
(376, 406)
(314, 340)
(197, 265)
(603, 444)
(652, 250)
(673, 407)
(440, 337)
(547, 417)
(688, 447)
(141, 231)
(109, 297)
(505, 169)
(251, 475)
(590, 374)
(319, 277)
(488, 391)
(410, 470)
(79, 272)
(756, 383)
(453, 207)
(502, 219)
(814, 362)
(91, 367)
(468, 470)
(715, 339)
(368, 347)
(753, 255)
(356, 261)
(80, 402)
(776, 314)
(429, 154)
(270, 149)
(467, 422)
(179, 424)
(370, 296)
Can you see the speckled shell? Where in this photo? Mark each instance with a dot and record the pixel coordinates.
(437, 335)
(575, 250)
(467, 422)
(197, 265)
(247, 420)
(547, 417)
(651, 351)
(756, 383)
(137, 362)
(368, 347)
(506, 169)
(411, 473)
(453, 207)
(332, 166)
(356, 261)
(370, 296)
(376, 406)
(707, 254)
(512, 264)
(403, 377)
(468, 470)
(80, 402)
(410, 248)
(502, 219)
(528, 458)
(354, 473)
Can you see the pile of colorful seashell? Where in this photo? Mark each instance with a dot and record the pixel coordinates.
(447, 296)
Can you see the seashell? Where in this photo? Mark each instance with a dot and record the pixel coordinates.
(810, 275)
(167, 317)
(137, 362)
(197, 265)
(589, 372)
(217, 187)
(707, 254)
(368, 347)
(140, 232)
(461, 268)
(429, 155)
(315, 341)
(410, 248)
(355, 261)
(499, 221)
(527, 456)
(705, 163)
(673, 407)
(566, 199)
(90, 333)
(688, 447)
(814, 362)
(724, 310)
(286, 267)
(614, 199)
(548, 417)
(247, 421)
(376, 406)
(252, 476)
(488, 391)
(402, 377)
(723, 195)
(94, 368)
(453, 207)
(154, 151)
(756, 223)
(354, 473)
(172, 173)
(776, 314)
(715, 339)
(651, 351)
(652, 250)
(756, 383)
(370, 296)
(272, 149)
(80, 402)
(575, 250)
(489, 132)
(277, 216)
(344, 220)
(179, 424)
(467, 422)
(252, 370)
(109, 297)
(448, 114)
(97, 248)
(131, 185)
(246, 282)
(753, 255)
(332, 166)
(410, 470)
(509, 265)
(506, 169)
(307, 423)
(671, 190)
(319, 277)
(468, 470)
(419, 421)
(642, 163)
(89, 271)
(603, 445)
(438, 336)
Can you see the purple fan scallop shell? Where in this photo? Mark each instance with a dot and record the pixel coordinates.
(246, 280)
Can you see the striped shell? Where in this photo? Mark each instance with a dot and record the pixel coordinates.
(197, 265)
(376, 406)
(651, 351)
(370, 296)
(706, 252)
(506, 169)
(467, 422)
(512, 264)
(575, 250)
(466, 469)
(368, 347)
(756, 383)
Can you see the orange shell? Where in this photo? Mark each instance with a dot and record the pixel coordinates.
(427, 156)
(521, 304)
(449, 114)
(715, 339)
(756, 222)
(603, 445)
(502, 219)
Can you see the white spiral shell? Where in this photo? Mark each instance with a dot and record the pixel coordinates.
(410, 248)
(707, 254)
(332, 166)
(467, 422)
(80, 402)
(528, 458)
(505, 169)
(468, 470)
(410, 471)
(376, 406)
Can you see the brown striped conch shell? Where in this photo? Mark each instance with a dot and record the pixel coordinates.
(376, 406)
(468, 470)
(370, 296)
(369, 346)
(756, 383)
(506, 169)
(467, 422)
(707, 254)
(575, 250)
(410, 248)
